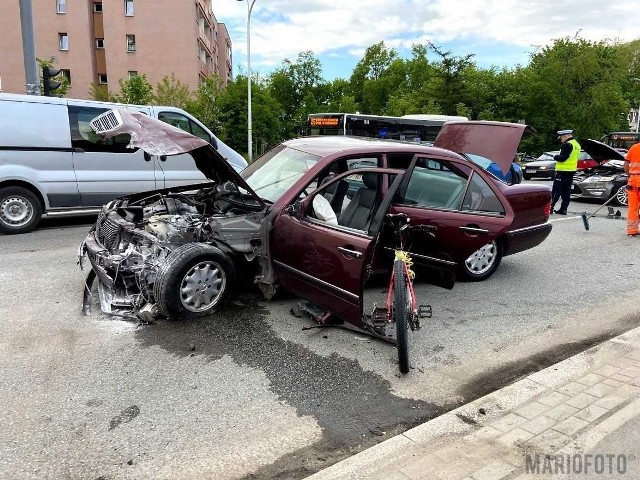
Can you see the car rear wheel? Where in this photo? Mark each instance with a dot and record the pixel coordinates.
(526, 176)
(20, 210)
(621, 196)
(195, 280)
(483, 262)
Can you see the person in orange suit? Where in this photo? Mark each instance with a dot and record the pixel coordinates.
(632, 167)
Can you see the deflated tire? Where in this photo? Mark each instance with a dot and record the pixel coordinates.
(195, 280)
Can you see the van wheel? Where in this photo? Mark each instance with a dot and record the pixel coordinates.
(20, 210)
(195, 280)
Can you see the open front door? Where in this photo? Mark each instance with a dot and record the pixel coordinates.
(322, 246)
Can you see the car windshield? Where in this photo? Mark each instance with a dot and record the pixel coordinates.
(277, 170)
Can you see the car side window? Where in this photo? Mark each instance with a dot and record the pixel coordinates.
(184, 123)
(481, 198)
(337, 208)
(434, 184)
(83, 136)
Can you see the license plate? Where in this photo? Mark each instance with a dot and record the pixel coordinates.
(531, 170)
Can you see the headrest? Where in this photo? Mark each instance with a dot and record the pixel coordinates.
(370, 180)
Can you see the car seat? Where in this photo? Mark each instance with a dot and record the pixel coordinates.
(360, 209)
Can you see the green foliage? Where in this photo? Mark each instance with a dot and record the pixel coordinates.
(204, 104)
(171, 91)
(136, 90)
(100, 92)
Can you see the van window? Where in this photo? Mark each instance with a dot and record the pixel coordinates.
(184, 123)
(82, 136)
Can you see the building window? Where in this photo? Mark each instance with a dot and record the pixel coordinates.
(102, 78)
(131, 43)
(66, 73)
(128, 8)
(63, 41)
(97, 7)
(133, 73)
(99, 42)
(61, 6)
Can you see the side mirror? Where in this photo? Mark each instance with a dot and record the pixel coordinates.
(147, 157)
(293, 209)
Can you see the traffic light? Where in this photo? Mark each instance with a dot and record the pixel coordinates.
(47, 80)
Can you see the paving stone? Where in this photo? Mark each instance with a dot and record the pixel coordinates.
(538, 425)
(610, 401)
(570, 425)
(581, 400)
(572, 388)
(431, 467)
(634, 355)
(507, 422)
(494, 471)
(621, 378)
(514, 437)
(607, 370)
(532, 410)
(561, 412)
(591, 413)
(599, 389)
(550, 441)
(553, 399)
(621, 362)
(630, 371)
(590, 379)
(635, 381)
(612, 382)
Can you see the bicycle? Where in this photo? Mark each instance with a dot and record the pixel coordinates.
(401, 305)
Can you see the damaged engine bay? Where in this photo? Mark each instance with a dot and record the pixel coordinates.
(137, 237)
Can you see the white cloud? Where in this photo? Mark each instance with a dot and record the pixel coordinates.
(283, 28)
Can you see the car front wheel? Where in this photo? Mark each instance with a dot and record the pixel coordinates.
(483, 262)
(621, 196)
(20, 210)
(195, 280)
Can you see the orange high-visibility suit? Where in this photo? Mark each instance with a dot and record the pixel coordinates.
(632, 167)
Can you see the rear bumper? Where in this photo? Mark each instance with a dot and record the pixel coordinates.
(526, 238)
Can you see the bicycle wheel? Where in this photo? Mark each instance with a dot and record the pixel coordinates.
(401, 312)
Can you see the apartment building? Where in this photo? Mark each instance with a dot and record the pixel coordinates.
(103, 41)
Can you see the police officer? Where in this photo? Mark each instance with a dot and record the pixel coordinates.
(566, 166)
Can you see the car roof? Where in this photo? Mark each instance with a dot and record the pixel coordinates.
(325, 145)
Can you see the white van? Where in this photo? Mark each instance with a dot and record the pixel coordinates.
(52, 163)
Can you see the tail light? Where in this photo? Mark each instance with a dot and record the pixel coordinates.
(547, 209)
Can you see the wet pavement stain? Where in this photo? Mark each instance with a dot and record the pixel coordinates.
(347, 402)
(510, 373)
(125, 416)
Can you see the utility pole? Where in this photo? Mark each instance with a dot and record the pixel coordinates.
(32, 79)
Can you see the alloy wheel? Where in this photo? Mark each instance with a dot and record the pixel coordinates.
(202, 286)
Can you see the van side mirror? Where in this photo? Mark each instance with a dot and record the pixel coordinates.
(147, 157)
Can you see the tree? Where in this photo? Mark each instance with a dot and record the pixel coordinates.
(171, 91)
(100, 93)
(376, 59)
(205, 106)
(136, 90)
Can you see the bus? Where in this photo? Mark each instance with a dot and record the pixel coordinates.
(414, 128)
(621, 139)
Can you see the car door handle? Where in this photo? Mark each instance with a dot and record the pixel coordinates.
(474, 230)
(350, 253)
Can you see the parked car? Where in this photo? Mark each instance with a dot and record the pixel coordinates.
(602, 182)
(178, 251)
(53, 164)
(545, 165)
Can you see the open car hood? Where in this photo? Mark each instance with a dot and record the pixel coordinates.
(159, 138)
(599, 151)
(497, 141)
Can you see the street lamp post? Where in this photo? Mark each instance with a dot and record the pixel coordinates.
(249, 126)
(638, 112)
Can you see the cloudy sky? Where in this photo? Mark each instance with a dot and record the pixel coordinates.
(499, 33)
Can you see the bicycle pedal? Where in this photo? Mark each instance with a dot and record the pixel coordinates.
(425, 311)
(380, 315)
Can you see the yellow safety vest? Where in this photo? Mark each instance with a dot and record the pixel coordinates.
(571, 163)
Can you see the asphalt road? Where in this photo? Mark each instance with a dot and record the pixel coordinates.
(248, 393)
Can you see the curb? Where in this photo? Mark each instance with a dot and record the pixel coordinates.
(467, 419)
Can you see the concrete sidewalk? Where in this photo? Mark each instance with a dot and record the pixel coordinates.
(575, 419)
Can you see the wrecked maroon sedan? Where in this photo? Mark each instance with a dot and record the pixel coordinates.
(287, 222)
